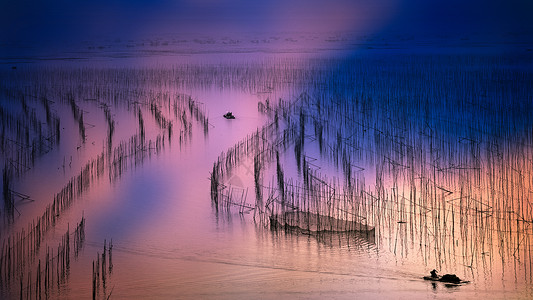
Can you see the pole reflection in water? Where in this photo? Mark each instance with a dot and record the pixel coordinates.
(336, 177)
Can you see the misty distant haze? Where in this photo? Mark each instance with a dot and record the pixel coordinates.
(49, 23)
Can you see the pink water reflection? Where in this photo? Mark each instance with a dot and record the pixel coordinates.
(170, 241)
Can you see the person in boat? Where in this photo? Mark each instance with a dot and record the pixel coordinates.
(229, 115)
(449, 278)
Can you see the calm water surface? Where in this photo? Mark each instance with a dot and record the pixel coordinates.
(170, 241)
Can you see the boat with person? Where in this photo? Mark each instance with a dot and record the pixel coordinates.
(229, 115)
(448, 279)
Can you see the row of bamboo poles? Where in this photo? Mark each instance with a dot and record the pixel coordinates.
(52, 270)
(460, 192)
(102, 269)
(23, 249)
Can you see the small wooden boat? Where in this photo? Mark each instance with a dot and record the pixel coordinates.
(229, 115)
(448, 279)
